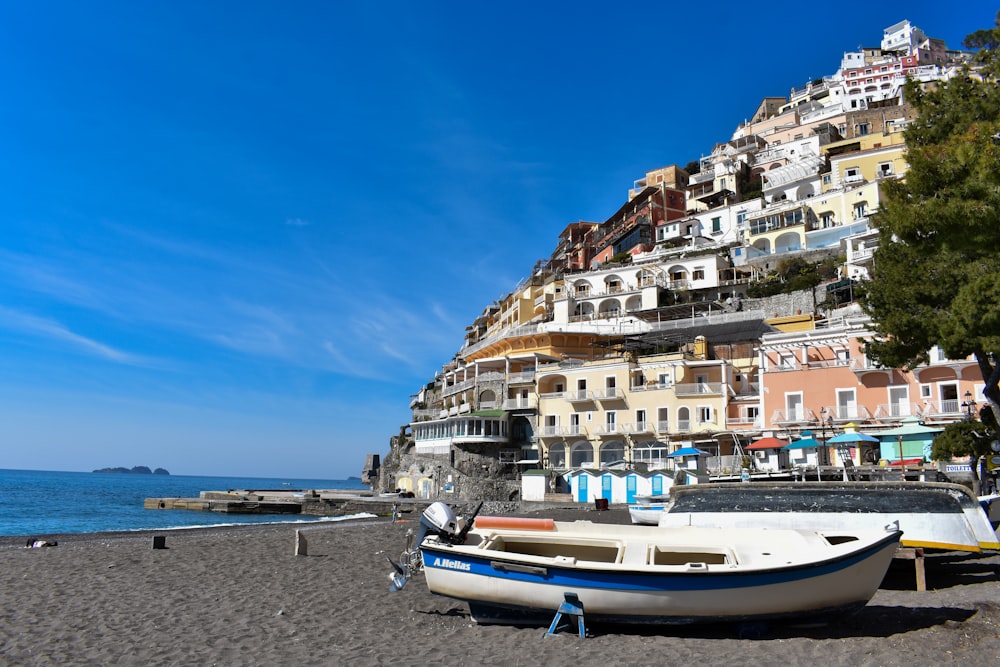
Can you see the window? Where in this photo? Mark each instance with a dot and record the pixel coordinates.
(704, 414)
(610, 418)
(793, 407)
(862, 129)
(716, 225)
(551, 425)
(640, 420)
(884, 169)
(826, 219)
(662, 419)
(852, 174)
(899, 401)
(698, 274)
(860, 210)
(786, 362)
(826, 179)
(847, 406)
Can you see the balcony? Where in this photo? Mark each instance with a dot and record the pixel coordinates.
(828, 363)
(561, 431)
(457, 387)
(946, 408)
(524, 377)
(849, 413)
(608, 429)
(698, 389)
(555, 395)
(609, 394)
(783, 366)
(747, 390)
(635, 428)
(892, 411)
(863, 365)
(743, 421)
(520, 403)
(579, 396)
(794, 416)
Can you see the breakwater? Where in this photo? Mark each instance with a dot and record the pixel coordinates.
(306, 502)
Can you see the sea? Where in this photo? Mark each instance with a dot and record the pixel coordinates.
(38, 503)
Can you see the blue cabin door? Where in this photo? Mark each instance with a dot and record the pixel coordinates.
(657, 485)
(606, 487)
(630, 489)
(581, 488)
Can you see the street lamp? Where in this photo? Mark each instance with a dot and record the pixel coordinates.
(968, 404)
(824, 421)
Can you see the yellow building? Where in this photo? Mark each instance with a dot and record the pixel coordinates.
(625, 409)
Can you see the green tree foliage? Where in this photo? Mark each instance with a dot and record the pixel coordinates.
(793, 275)
(962, 439)
(936, 277)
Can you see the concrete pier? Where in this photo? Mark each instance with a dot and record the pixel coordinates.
(308, 502)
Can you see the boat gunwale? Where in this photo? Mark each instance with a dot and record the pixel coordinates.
(648, 570)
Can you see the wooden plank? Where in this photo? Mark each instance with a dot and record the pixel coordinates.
(915, 554)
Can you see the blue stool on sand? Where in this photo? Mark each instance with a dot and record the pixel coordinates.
(573, 607)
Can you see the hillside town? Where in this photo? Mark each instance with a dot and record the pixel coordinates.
(670, 343)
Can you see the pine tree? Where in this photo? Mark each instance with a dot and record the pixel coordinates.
(936, 275)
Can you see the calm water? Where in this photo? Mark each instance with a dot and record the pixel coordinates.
(38, 503)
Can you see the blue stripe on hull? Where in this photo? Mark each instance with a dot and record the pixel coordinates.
(638, 580)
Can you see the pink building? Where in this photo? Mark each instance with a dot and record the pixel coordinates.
(820, 379)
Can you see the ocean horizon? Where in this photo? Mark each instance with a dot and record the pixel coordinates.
(38, 503)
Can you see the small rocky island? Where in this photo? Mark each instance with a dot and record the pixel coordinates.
(137, 470)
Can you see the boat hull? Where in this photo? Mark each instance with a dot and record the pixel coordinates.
(647, 514)
(753, 581)
(931, 515)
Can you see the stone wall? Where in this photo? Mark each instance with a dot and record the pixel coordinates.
(476, 475)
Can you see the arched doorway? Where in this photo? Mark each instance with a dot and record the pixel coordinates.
(581, 454)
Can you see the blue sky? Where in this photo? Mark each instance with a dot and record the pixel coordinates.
(235, 237)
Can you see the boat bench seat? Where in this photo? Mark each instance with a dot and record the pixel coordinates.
(635, 554)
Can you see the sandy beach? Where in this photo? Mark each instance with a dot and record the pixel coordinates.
(240, 596)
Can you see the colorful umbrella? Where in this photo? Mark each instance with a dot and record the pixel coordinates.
(767, 443)
(805, 442)
(688, 451)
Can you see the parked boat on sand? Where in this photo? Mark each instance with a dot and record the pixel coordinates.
(932, 515)
(515, 570)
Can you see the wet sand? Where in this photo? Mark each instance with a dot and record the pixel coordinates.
(240, 596)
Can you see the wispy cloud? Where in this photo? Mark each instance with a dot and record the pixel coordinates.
(297, 222)
(14, 320)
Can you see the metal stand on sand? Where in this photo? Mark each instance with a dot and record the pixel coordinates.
(572, 607)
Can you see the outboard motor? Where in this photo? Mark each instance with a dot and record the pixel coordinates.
(438, 520)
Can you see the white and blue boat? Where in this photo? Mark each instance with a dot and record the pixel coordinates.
(519, 571)
(932, 515)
